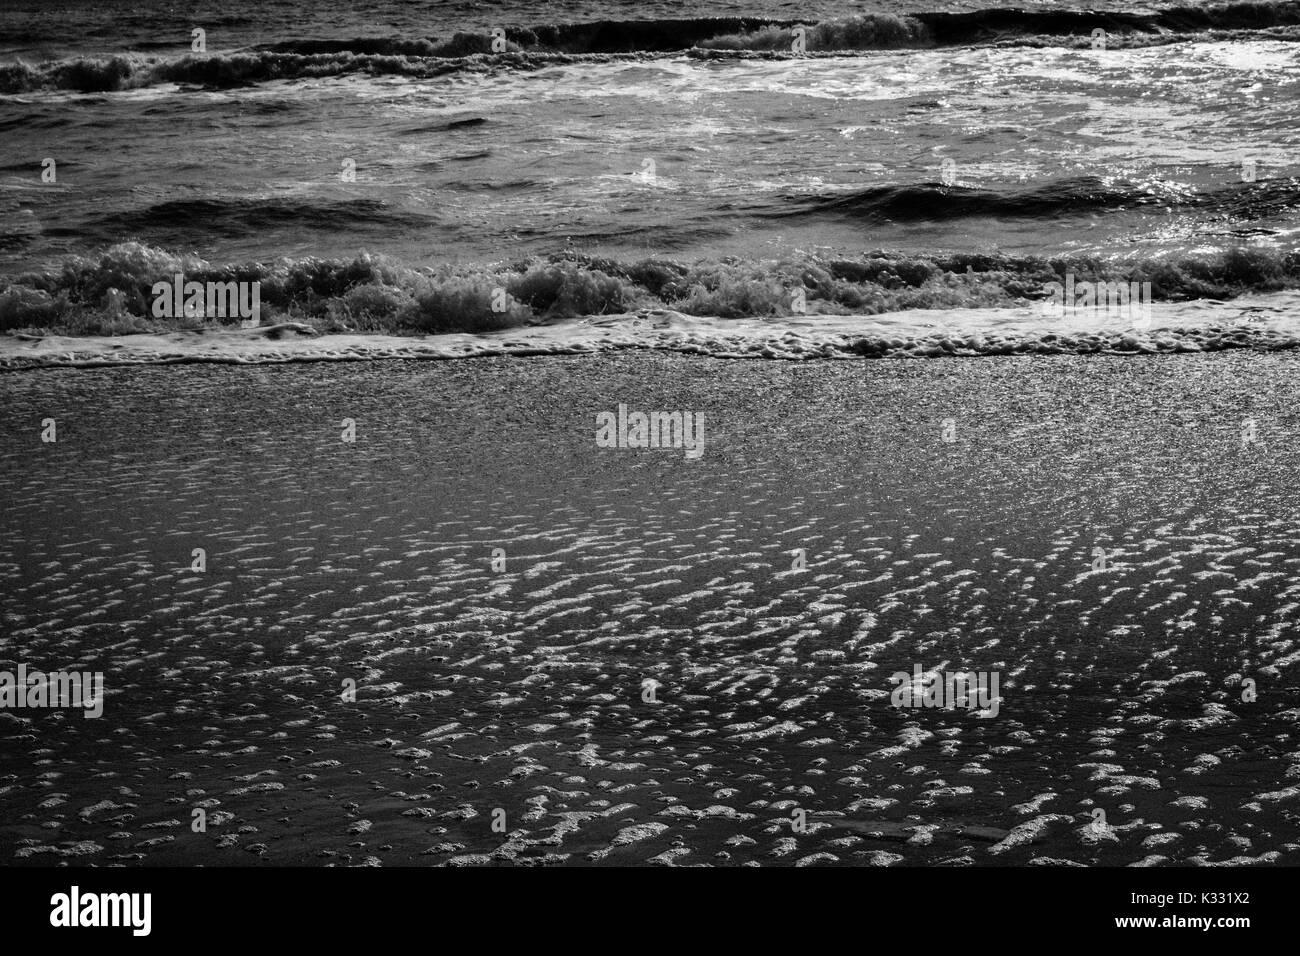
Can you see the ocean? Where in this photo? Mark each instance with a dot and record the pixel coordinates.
(658, 155)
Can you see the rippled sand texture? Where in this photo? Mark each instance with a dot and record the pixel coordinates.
(523, 690)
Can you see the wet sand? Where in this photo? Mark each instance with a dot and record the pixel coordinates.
(523, 689)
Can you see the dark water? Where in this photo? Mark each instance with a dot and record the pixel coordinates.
(905, 129)
(37, 28)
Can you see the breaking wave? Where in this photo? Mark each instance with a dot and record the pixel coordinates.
(534, 47)
(111, 291)
(938, 202)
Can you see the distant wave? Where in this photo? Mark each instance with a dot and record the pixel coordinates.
(938, 202)
(860, 32)
(228, 216)
(1051, 201)
(372, 293)
(599, 36)
(175, 220)
(131, 71)
(534, 47)
(874, 31)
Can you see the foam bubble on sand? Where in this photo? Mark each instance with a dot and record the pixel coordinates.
(766, 707)
(1028, 832)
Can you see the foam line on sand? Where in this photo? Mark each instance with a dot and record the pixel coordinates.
(1263, 322)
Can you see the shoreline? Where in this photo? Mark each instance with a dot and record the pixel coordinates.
(1265, 323)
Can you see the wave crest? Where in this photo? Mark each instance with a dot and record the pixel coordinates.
(940, 202)
(536, 46)
(111, 291)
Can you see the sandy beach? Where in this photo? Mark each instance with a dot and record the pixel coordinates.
(846, 521)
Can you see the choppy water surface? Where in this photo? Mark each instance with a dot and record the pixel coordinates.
(1004, 135)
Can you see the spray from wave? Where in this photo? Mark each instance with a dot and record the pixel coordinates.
(110, 292)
